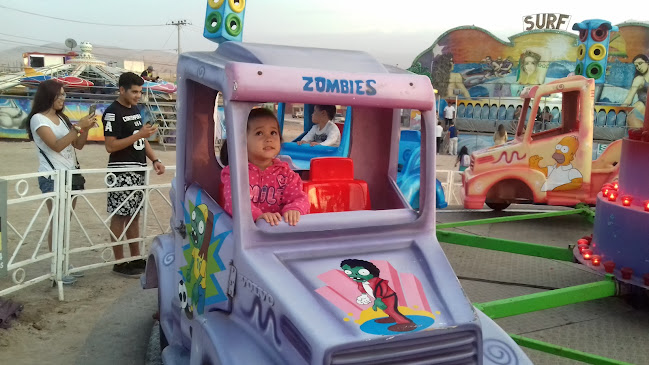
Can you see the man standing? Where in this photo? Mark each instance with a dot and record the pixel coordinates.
(439, 132)
(126, 141)
(452, 142)
(449, 113)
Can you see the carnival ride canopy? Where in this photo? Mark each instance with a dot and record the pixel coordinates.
(82, 72)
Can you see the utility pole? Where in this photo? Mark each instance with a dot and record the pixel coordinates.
(179, 24)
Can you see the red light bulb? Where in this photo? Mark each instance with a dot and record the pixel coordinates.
(605, 191)
(616, 185)
(596, 259)
(609, 266)
(612, 196)
(646, 206)
(587, 254)
(627, 273)
(582, 241)
(582, 247)
(626, 201)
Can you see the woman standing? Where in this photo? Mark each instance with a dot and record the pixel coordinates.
(55, 137)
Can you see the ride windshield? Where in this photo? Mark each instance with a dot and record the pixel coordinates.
(360, 179)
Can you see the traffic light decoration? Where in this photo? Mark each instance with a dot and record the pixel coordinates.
(592, 49)
(224, 20)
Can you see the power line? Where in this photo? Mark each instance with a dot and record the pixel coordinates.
(168, 38)
(82, 22)
(33, 39)
(101, 46)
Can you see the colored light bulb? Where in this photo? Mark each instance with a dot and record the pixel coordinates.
(596, 260)
(626, 200)
(609, 266)
(582, 247)
(646, 206)
(616, 185)
(627, 273)
(612, 196)
(587, 254)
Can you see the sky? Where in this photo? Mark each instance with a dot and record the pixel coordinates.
(393, 31)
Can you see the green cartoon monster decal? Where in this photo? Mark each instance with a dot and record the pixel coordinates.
(199, 230)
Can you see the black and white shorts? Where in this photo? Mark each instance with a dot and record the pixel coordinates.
(131, 203)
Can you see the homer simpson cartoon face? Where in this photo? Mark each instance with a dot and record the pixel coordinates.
(565, 151)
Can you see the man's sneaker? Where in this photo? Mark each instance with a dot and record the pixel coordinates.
(126, 269)
(139, 264)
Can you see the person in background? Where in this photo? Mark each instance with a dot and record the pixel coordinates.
(126, 141)
(463, 159)
(148, 74)
(324, 132)
(453, 139)
(449, 113)
(500, 136)
(439, 133)
(56, 140)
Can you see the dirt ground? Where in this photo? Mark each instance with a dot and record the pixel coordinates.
(62, 327)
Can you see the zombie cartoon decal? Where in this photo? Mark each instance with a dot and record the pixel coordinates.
(562, 175)
(198, 286)
(383, 301)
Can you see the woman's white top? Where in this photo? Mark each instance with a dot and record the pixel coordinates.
(64, 160)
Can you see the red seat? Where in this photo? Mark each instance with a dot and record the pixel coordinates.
(332, 187)
(340, 126)
(220, 199)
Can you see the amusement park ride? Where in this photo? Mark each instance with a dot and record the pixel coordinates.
(361, 283)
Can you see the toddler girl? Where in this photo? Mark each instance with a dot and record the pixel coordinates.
(275, 190)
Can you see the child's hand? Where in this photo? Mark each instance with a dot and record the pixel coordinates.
(272, 218)
(314, 143)
(292, 217)
(299, 143)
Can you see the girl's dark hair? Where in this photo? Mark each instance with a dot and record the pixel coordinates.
(463, 151)
(501, 130)
(44, 98)
(254, 114)
(642, 57)
(441, 72)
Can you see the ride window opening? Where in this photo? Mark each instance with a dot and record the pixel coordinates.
(524, 118)
(545, 125)
(200, 163)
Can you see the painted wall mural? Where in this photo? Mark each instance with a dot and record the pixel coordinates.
(14, 110)
(471, 63)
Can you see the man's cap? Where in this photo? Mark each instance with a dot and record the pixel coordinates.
(150, 68)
